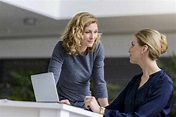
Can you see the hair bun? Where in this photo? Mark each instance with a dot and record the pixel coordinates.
(164, 44)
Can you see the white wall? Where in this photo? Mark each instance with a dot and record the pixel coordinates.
(118, 45)
(115, 46)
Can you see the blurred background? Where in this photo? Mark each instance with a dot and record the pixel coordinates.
(29, 30)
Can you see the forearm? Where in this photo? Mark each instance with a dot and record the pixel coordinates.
(103, 102)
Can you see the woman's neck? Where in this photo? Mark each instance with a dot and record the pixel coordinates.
(83, 50)
(148, 68)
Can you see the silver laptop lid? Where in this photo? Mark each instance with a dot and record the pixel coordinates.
(44, 87)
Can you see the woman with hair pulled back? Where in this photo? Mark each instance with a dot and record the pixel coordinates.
(148, 94)
(78, 57)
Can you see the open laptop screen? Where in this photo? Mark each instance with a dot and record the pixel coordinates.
(44, 87)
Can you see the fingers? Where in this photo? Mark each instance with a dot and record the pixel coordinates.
(65, 102)
(88, 100)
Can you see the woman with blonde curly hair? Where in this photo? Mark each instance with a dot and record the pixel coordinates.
(78, 58)
(148, 94)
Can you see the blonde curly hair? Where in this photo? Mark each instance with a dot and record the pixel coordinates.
(73, 33)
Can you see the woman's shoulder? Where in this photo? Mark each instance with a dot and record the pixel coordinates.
(59, 48)
(164, 77)
(99, 47)
(59, 45)
(99, 44)
(164, 80)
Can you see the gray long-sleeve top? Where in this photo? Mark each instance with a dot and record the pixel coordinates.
(72, 73)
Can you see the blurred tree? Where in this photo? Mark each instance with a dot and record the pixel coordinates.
(21, 87)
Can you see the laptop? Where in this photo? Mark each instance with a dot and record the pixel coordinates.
(44, 87)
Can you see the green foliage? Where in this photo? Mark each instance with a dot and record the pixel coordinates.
(113, 91)
(170, 68)
(22, 87)
(18, 86)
